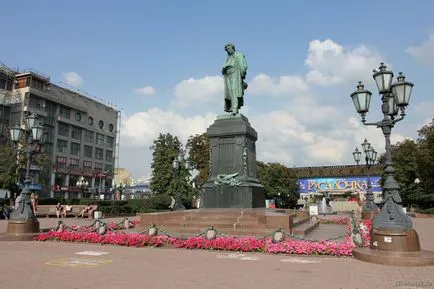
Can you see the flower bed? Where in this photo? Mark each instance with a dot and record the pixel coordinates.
(244, 244)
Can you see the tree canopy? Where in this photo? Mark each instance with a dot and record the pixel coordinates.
(279, 183)
(415, 160)
(198, 151)
(165, 179)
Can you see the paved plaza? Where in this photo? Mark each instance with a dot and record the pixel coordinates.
(49, 265)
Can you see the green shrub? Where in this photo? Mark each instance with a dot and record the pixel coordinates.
(157, 202)
(49, 201)
(147, 210)
(426, 211)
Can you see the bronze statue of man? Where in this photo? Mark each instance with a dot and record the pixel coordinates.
(234, 72)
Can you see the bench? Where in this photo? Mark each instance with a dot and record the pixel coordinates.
(50, 210)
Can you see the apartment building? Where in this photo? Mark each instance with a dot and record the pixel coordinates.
(81, 134)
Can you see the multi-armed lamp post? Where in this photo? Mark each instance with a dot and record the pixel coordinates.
(22, 220)
(178, 164)
(369, 208)
(83, 185)
(393, 239)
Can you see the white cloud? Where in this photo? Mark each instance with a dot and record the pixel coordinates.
(72, 78)
(306, 129)
(424, 52)
(193, 91)
(140, 129)
(146, 91)
(287, 85)
(331, 63)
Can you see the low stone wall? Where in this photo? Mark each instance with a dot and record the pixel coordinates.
(418, 215)
(345, 206)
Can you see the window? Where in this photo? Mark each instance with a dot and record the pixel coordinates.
(36, 83)
(76, 133)
(75, 149)
(49, 136)
(90, 120)
(108, 168)
(62, 146)
(60, 180)
(65, 112)
(109, 141)
(74, 163)
(111, 127)
(108, 156)
(78, 116)
(98, 167)
(99, 139)
(61, 162)
(88, 136)
(88, 151)
(48, 148)
(101, 124)
(63, 129)
(87, 166)
(99, 153)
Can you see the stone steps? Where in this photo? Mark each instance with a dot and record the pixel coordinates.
(191, 231)
(305, 228)
(299, 221)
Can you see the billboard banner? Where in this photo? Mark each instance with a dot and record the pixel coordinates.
(345, 184)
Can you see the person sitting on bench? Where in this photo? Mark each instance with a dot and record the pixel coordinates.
(68, 209)
(59, 210)
(85, 210)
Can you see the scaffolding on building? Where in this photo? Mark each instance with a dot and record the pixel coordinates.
(118, 141)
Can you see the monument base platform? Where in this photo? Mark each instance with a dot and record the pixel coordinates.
(421, 258)
(232, 181)
(397, 248)
(368, 215)
(236, 222)
(244, 196)
(18, 230)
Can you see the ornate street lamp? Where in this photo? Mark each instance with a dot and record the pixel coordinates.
(393, 232)
(356, 155)
(178, 164)
(82, 184)
(22, 221)
(369, 208)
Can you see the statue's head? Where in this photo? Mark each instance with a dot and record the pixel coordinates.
(230, 48)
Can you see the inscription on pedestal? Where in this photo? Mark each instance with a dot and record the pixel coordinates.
(233, 156)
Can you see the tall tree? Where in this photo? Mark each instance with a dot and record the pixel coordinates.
(404, 158)
(198, 151)
(8, 166)
(165, 179)
(165, 149)
(425, 163)
(279, 183)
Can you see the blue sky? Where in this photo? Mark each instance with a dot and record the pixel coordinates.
(174, 50)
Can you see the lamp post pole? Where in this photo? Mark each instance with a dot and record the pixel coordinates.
(82, 184)
(369, 208)
(178, 164)
(393, 96)
(22, 219)
(417, 182)
(393, 240)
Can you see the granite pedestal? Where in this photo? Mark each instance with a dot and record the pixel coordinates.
(232, 153)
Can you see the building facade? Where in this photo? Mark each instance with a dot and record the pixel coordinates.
(81, 135)
(7, 78)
